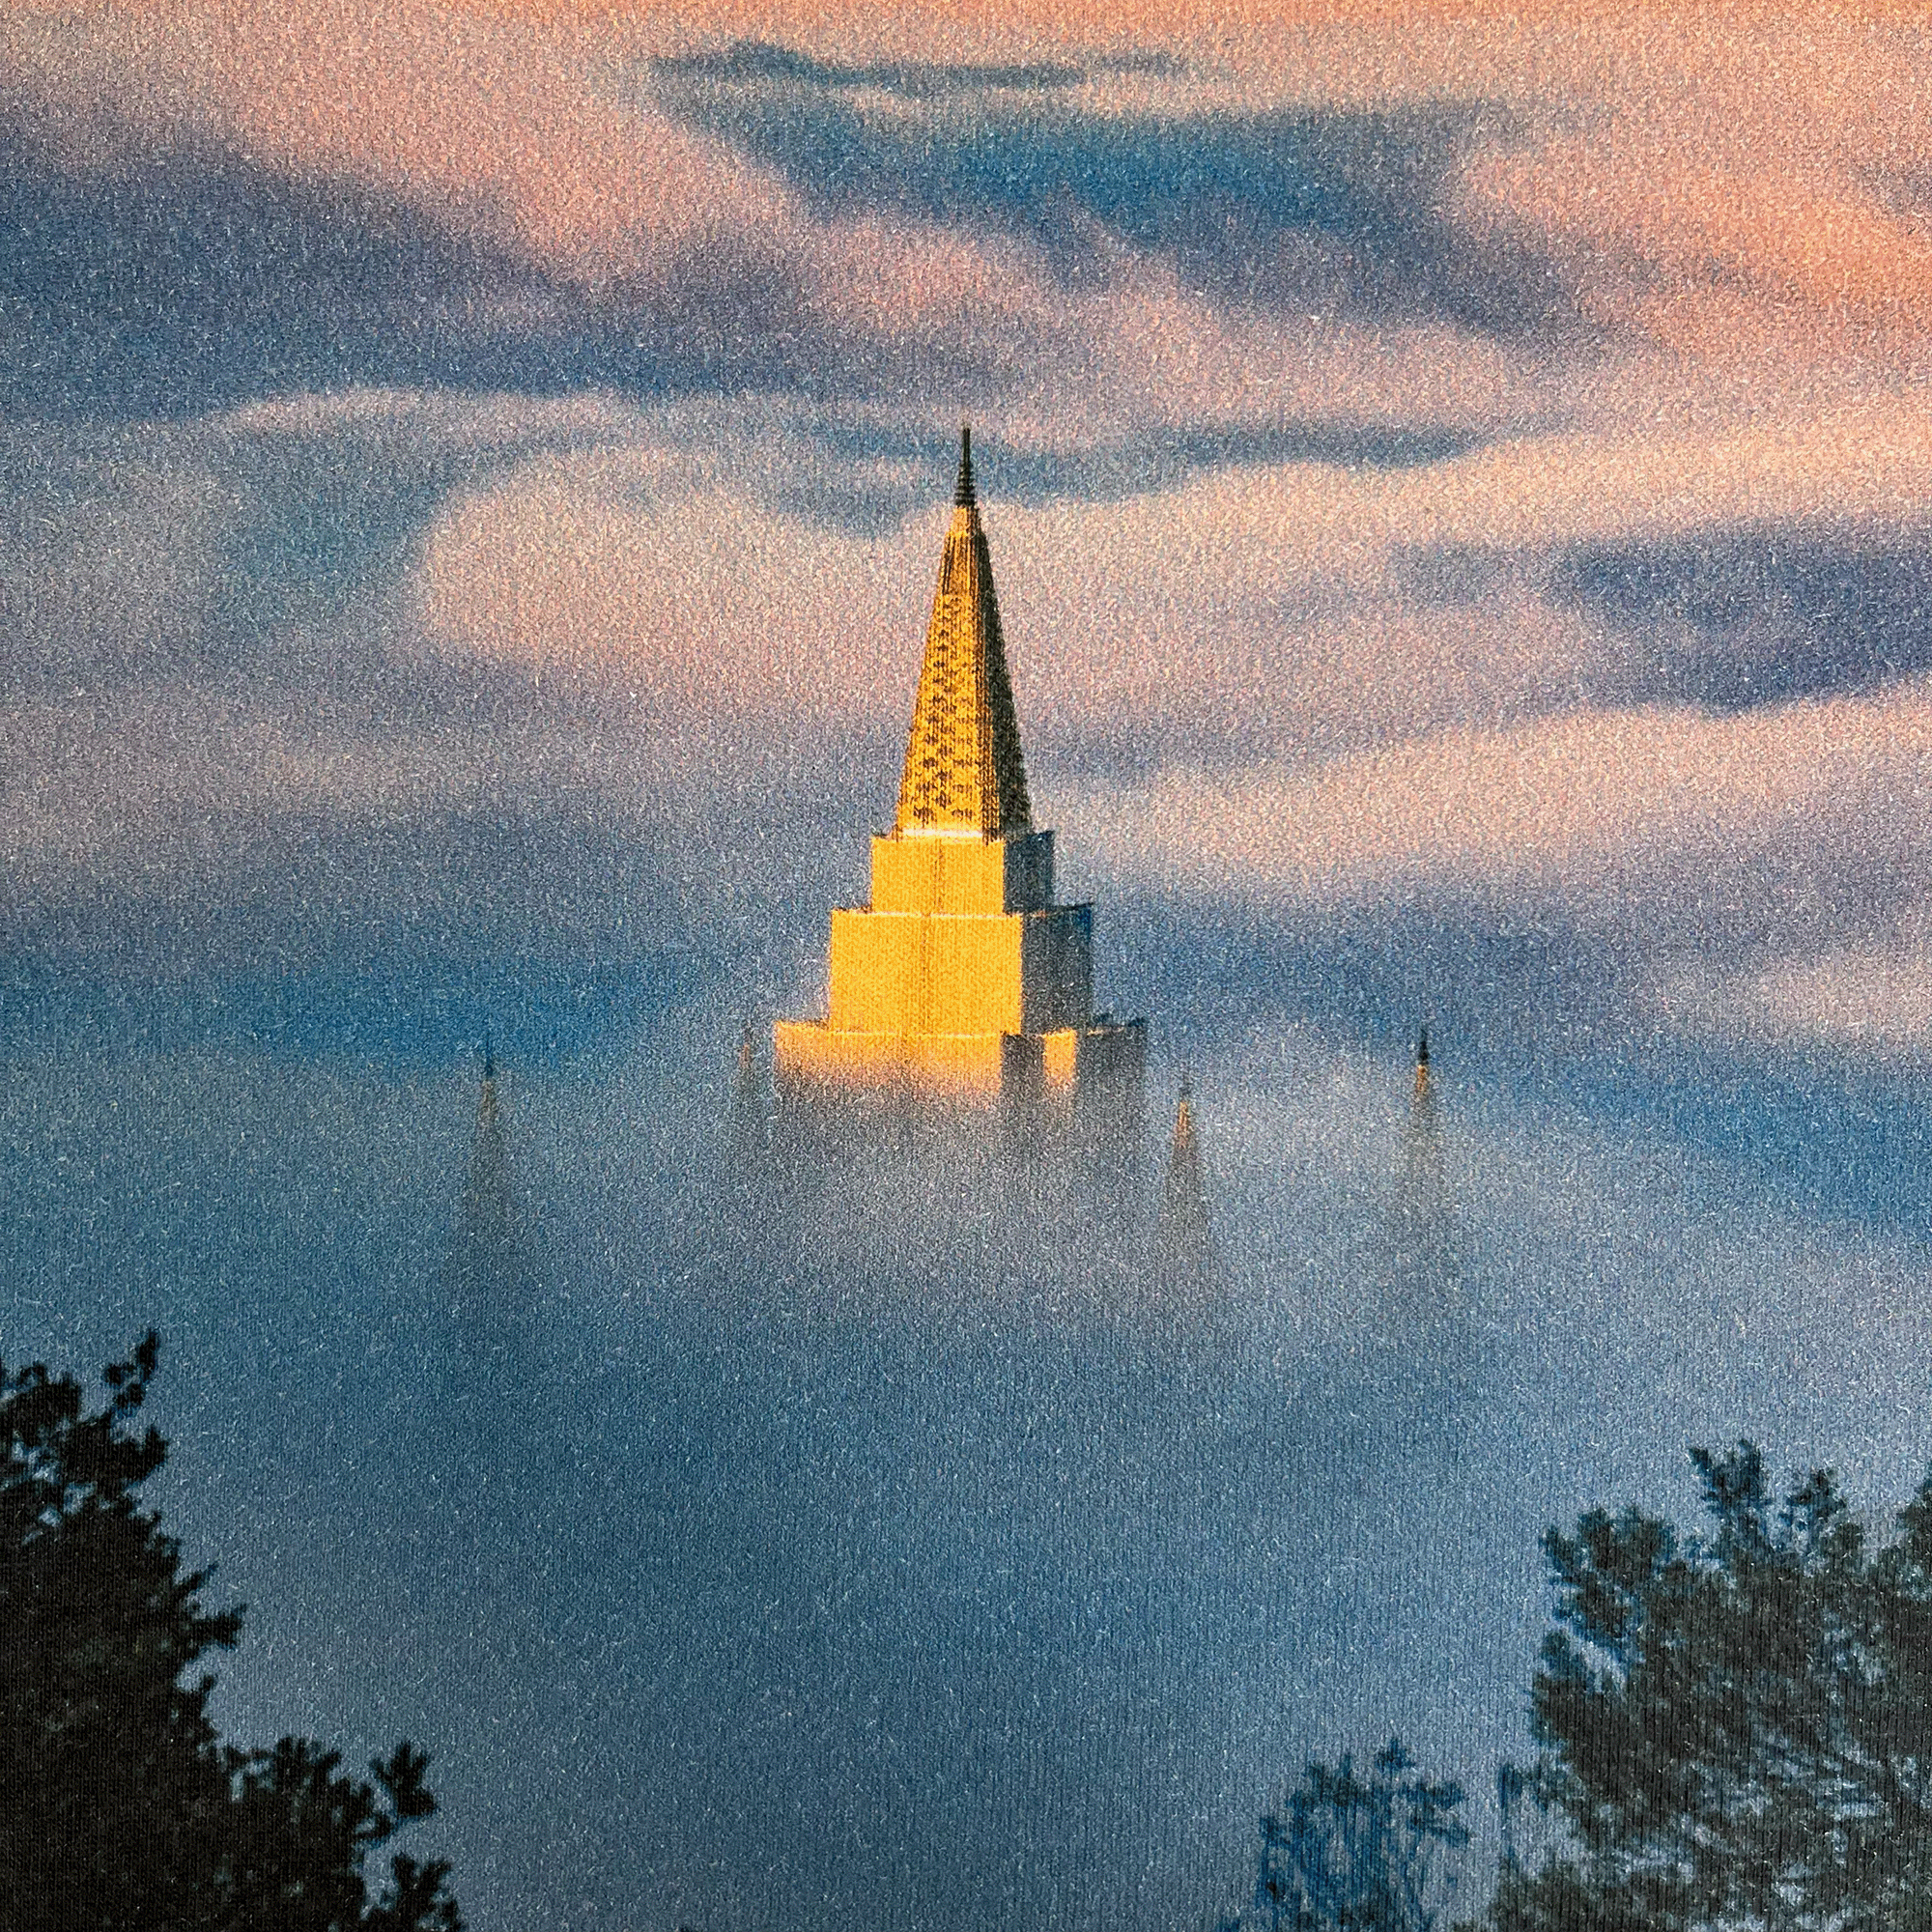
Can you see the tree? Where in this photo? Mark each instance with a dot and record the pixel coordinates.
(1737, 1727)
(120, 1806)
(1349, 1854)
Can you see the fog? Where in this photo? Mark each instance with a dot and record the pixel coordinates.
(928, 1566)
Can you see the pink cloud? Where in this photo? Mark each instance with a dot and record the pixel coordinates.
(690, 595)
(538, 135)
(1610, 813)
(504, 129)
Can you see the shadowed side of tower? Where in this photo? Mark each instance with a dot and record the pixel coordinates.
(963, 984)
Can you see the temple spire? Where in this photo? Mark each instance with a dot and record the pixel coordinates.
(1422, 1166)
(963, 768)
(1183, 1235)
(747, 1127)
(1422, 1266)
(483, 1274)
(963, 982)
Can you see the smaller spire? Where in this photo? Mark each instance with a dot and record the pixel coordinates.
(963, 498)
(1183, 1173)
(1420, 1268)
(486, 1092)
(747, 1127)
(1183, 1235)
(483, 1274)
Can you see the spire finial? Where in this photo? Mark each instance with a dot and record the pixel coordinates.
(489, 1055)
(1422, 1048)
(963, 498)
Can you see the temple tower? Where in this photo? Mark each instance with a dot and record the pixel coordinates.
(963, 982)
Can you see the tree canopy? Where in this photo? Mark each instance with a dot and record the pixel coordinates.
(1737, 1727)
(120, 1805)
(1353, 1853)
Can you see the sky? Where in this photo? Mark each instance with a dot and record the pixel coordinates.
(470, 484)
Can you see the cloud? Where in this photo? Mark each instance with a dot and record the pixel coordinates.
(1242, 608)
(325, 199)
(1339, 685)
(1773, 827)
(1870, 1001)
(133, 550)
(900, 203)
(1299, 608)
(171, 285)
(701, 598)
(496, 129)
(1337, 213)
(225, 729)
(1752, 618)
(756, 61)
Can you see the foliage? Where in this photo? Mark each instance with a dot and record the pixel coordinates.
(120, 1807)
(1346, 1854)
(1737, 1727)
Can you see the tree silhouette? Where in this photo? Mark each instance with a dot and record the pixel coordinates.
(120, 1807)
(1738, 1726)
(1346, 1854)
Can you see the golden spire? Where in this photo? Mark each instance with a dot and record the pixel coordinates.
(1422, 1067)
(963, 769)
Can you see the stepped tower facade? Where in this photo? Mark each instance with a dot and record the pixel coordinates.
(963, 982)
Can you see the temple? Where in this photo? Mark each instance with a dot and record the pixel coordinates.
(963, 982)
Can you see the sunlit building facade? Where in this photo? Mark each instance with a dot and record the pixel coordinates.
(963, 984)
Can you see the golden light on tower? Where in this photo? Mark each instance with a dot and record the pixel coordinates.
(963, 979)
